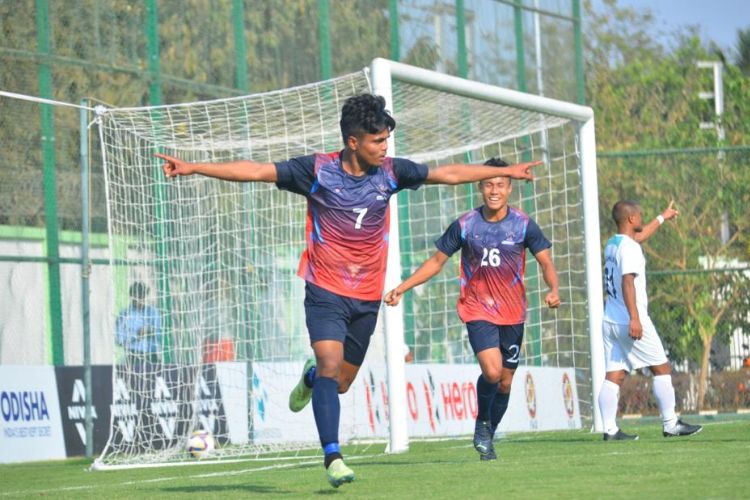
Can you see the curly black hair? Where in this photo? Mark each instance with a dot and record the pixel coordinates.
(365, 114)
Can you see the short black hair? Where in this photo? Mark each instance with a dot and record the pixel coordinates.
(365, 114)
(496, 161)
(138, 290)
(624, 209)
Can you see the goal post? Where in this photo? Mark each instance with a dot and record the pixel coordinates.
(383, 73)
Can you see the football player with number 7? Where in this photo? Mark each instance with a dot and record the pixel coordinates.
(493, 240)
(346, 239)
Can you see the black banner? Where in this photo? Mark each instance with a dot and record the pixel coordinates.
(71, 393)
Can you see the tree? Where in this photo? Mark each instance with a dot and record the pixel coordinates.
(743, 50)
(646, 97)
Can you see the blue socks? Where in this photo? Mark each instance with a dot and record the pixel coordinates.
(310, 377)
(327, 410)
(499, 405)
(485, 394)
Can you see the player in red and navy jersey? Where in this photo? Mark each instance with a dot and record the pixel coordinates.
(493, 240)
(346, 247)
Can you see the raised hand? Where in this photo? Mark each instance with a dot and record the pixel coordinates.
(523, 170)
(670, 212)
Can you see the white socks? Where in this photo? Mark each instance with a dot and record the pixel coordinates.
(664, 394)
(609, 396)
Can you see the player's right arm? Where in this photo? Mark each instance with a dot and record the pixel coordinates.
(238, 171)
(426, 271)
(628, 295)
(455, 173)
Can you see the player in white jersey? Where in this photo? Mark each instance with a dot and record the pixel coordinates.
(630, 338)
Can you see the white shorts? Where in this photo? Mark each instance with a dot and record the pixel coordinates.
(623, 353)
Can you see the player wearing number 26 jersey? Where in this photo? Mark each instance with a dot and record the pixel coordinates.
(493, 240)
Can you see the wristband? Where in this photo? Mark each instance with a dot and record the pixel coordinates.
(660, 218)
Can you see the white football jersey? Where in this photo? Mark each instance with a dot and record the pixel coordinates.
(623, 255)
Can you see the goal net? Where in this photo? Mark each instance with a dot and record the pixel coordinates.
(218, 259)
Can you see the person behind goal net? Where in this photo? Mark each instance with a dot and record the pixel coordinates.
(344, 261)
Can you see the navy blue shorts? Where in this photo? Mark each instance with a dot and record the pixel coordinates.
(485, 335)
(334, 317)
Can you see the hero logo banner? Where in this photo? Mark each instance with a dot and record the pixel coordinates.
(71, 392)
(30, 427)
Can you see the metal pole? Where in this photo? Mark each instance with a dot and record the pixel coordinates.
(394, 320)
(463, 60)
(718, 96)
(85, 274)
(154, 66)
(534, 330)
(241, 80)
(325, 40)
(578, 41)
(395, 40)
(50, 186)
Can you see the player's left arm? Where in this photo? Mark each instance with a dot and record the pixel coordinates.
(456, 173)
(649, 229)
(549, 273)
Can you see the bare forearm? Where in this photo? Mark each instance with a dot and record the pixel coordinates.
(549, 273)
(628, 296)
(647, 231)
(238, 171)
(456, 173)
(426, 271)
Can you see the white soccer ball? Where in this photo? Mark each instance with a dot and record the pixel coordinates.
(201, 444)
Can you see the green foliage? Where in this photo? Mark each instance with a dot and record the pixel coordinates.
(646, 98)
(743, 50)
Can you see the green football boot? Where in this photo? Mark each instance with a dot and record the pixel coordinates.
(338, 473)
(301, 394)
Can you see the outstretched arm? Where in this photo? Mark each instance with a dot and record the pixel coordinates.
(549, 273)
(239, 171)
(456, 173)
(427, 270)
(649, 229)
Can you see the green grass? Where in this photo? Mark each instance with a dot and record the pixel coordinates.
(575, 464)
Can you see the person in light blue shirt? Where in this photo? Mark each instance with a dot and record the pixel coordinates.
(138, 327)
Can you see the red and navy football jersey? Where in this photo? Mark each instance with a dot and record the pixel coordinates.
(493, 260)
(347, 220)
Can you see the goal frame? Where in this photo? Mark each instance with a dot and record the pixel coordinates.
(382, 73)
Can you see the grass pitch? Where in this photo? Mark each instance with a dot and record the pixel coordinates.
(573, 464)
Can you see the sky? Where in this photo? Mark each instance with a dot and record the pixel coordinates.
(718, 20)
